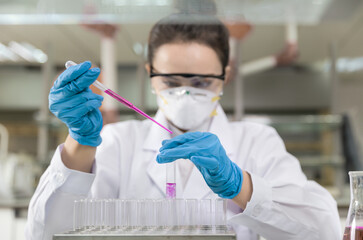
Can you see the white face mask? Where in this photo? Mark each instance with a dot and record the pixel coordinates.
(187, 107)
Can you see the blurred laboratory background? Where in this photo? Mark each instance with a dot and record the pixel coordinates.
(297, 66)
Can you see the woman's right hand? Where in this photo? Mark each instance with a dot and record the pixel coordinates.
(72, 101)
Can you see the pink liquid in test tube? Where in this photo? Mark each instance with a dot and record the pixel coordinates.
(170, 190)
(170, 180)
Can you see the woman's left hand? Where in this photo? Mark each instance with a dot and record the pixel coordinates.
(222, 175)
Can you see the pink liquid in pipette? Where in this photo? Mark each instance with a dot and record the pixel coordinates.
(130, 105)
(170, 190)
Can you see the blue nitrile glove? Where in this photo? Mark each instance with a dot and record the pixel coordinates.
(222, 175)
(72, 101)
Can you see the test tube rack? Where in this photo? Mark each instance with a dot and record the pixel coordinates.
(149, 219)
(177, 234)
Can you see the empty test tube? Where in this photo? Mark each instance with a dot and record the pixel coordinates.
(205, 213)
(77, 215)
(119, 213)
(220, 213)
(131, 221)
(115, 215)
(191, 213)
(161, 213)
(110, 214)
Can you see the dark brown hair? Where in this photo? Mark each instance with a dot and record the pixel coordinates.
(186, 28)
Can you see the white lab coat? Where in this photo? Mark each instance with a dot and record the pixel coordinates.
(284, 204)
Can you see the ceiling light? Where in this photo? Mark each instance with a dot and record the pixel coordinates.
(37, 54)
(7, 54)
(21, 51)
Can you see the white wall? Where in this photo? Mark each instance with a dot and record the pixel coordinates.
(20, 88)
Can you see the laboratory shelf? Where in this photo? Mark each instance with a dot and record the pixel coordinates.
(319, 161)
(299, 123)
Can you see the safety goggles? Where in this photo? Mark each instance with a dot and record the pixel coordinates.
(199, 95)
(209, 82)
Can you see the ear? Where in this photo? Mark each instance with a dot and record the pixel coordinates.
(147, 68)
(227, 71)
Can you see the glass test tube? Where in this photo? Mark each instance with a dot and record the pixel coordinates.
(141, 214)
(110, 214)
(131, 214)
(77, 215)
(151, 214)
(161, 213)
(171, 213)
(191, 213)
(180, 213)
(93, 214)
(99, 214)
(220, 214)
(146, 214)
(170, 180)
(119, 214)
(90, 214)
(205, 213)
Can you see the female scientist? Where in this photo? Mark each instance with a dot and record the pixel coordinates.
(241, 161)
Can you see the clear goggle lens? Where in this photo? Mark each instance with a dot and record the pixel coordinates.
(199, 95)
(211, 84)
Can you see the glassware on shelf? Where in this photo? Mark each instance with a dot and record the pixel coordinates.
(354, 224)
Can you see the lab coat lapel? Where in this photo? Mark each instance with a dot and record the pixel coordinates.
(156, 134)
(196, 186)
(152, 143)
(222, 128)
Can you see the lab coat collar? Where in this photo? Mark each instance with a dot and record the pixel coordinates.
(195, 186)
(220, 126)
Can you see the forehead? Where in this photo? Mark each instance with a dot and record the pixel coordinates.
(186, 58)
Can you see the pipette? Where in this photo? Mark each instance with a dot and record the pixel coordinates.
(118, 97)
